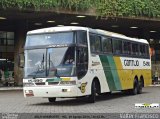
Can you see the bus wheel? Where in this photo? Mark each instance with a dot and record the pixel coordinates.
(51, 99)
(135, 88)
(92, 97)
(139, 87)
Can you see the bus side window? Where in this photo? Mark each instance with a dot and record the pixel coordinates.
(95, 43)
(98, 44)
(106, 45)
(117, 46)
(142, 49)
(147, 51)
(135, 49)
(82, 37)
(92, 40)
(126, 48)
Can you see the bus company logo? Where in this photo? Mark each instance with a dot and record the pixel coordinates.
(147, 105)
(95, 63)
(83, 87)
(131, 63)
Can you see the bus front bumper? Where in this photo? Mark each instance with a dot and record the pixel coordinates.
(52, 91)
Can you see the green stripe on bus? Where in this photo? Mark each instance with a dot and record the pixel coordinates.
(114, 72)
(107, 71)
(110, 72)
(55, 79)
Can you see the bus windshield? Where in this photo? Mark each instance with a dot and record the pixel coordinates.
(50, 62)
(57, 59)
(50, 38)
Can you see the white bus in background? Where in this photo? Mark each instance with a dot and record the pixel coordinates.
(75, 61)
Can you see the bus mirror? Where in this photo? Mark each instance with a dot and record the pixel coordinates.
(21, 60)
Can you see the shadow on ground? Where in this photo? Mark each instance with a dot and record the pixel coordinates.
(83, 100)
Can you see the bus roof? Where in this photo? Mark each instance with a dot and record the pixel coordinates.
(96, 31)
(117, 35)
(57, 29)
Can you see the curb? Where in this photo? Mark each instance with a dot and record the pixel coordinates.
(10, 88)
(155, 85)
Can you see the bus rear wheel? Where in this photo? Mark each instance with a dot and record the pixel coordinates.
(51, 99)
(92, 97)
(135, 88)
(140, 87)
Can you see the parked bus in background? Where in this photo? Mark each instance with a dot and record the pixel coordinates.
(77, 61)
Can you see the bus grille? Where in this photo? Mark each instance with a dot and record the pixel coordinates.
(43, 83)
(53, 83)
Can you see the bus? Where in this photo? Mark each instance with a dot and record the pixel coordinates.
(74, 61)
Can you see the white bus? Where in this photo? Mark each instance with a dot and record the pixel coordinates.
(74, 61)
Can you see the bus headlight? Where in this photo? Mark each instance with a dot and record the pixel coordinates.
(28, 84)
(68, 83)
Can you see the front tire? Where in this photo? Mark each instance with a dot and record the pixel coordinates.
(51, 99)
(92, 97)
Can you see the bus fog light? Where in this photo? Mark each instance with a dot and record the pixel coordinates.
(29, 93)
(26, 91)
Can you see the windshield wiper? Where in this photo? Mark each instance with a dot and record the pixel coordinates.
(51, 65)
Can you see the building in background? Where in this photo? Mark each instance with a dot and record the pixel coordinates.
(132, 18)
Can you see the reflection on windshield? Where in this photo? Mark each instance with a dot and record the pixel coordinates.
(61, 61)
(35, 63)
(57, 62)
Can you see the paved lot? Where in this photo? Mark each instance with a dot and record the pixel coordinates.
(14, 102)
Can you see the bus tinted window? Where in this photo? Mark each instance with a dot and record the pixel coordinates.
(82, 37)
(92, 46)
(142, 50)
(107, 45)
(95, 43)
(126, 48)
(147, 50)
(135, 49)
(98, 43)
(117, 46)
(82, 62)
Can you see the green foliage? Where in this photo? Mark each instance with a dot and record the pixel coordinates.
(146, 8)
(106, 8)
